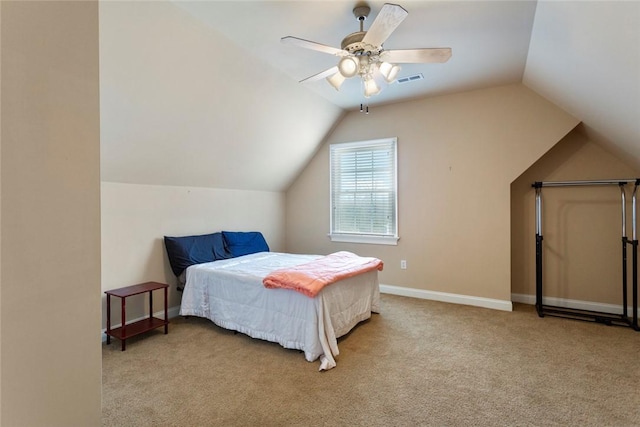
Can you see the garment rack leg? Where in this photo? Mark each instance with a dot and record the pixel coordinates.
(624, 276)
(539, 275)
(634, 286)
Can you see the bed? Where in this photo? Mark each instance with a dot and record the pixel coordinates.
(231, 292)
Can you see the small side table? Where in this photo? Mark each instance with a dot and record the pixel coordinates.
(127, 331)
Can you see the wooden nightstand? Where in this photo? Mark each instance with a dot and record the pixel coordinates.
(127, 331)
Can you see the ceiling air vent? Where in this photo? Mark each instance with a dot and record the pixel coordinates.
(408, 79)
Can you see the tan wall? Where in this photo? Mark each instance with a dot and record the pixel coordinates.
(582, 226)
(135, 218)
(0, 216)
(51, 357)
(185, 131)
(457, 156)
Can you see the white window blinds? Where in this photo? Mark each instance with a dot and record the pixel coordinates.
(364, 190)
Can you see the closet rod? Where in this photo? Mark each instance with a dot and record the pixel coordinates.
(586, 182)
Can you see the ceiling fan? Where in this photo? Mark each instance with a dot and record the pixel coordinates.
(362, 54)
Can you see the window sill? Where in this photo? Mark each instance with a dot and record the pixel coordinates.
(364, 238)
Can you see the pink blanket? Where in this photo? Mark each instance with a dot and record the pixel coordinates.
(309, 278)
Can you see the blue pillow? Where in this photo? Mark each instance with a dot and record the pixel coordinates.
(220, 250)
(244, 243)
(189, 250)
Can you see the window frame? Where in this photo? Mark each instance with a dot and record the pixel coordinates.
(358, 237)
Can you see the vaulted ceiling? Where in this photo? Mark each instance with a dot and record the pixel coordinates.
(582, 55)
(489, 41)
(189, 85)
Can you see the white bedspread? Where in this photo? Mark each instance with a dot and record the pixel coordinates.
(231, 294)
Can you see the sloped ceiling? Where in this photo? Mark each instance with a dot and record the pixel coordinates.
(582, 55)
(489, 41)
(181, 105)
(203, 93)
(585, 57)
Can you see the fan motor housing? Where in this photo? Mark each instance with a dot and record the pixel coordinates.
(354, 45)
(352, 39)
(353, 42)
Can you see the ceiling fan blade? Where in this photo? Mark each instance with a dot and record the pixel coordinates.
(416, 56)
(321, 75)
(390, 16)
(312, 45)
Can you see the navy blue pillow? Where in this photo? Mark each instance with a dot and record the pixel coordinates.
(189, 250)
(220, 250)
(245, 242)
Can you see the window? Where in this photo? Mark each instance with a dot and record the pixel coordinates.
(364, 192)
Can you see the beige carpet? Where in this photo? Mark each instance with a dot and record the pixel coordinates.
(418, 362)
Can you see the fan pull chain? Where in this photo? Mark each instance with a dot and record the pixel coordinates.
(364, 108)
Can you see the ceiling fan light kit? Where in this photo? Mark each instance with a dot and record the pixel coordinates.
(349, 66)
(389, 71)
(371, 88)
(362, 54)
(336, 80)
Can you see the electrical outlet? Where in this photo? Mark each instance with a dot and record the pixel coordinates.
(403, 264)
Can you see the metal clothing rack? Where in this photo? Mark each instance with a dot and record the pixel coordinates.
(594, 316)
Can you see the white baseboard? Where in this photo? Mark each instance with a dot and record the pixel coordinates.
(571, 303)
(171, 312)
(447, 297)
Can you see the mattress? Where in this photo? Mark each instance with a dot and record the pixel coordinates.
(230, 293)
